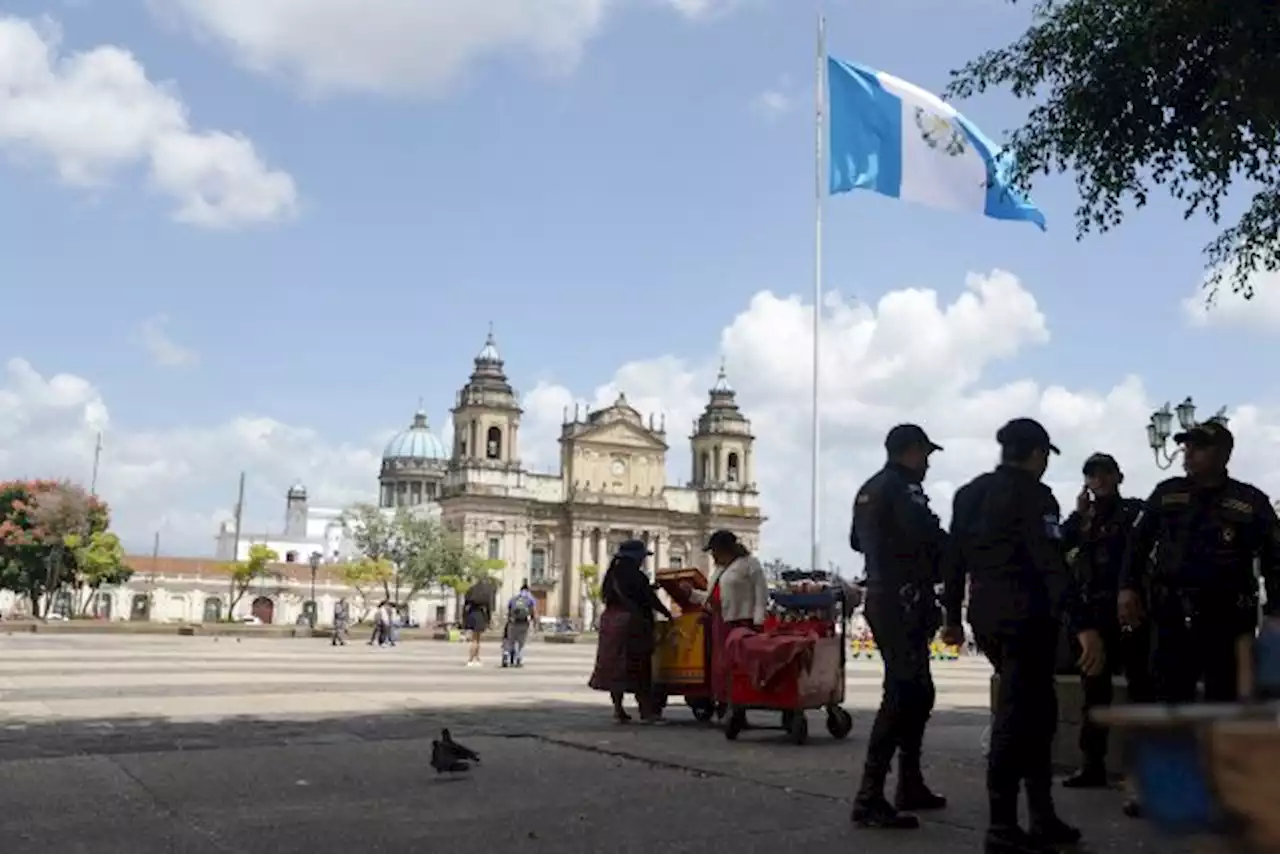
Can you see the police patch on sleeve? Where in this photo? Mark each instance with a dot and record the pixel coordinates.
(1053, 526)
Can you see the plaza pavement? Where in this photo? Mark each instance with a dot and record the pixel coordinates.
(143, 745)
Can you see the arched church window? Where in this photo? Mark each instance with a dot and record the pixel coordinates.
(732, 466)
(706, 467)
(493, 443)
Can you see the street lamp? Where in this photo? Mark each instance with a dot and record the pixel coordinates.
(315, 565)
(1160, 429)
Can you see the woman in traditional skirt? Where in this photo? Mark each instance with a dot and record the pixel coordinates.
(737, 596)
(624, 655)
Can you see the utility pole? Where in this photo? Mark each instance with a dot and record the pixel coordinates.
(97, 458)
(235, 548)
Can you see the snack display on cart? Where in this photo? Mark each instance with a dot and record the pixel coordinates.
(682, 648)
(796, 662)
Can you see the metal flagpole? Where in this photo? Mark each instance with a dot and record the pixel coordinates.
(820, 96)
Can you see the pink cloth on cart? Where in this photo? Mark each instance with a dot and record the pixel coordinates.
(763, 656)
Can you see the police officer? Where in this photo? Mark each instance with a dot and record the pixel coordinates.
(1006, 539)
(1095, 537)
(903, 543)
(1205, 530)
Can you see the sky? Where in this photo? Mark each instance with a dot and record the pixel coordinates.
(254, 234)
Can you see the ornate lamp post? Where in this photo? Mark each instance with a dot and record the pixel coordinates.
(1160, 429)
(315, 565)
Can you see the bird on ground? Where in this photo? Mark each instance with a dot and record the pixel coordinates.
(449, 757)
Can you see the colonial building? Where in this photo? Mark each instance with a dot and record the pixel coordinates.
(611, 486)
(540, 528)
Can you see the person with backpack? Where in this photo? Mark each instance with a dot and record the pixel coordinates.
(520, 614)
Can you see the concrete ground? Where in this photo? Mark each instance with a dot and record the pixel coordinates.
(144, 745)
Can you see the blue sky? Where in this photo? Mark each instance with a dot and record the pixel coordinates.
(622, 209)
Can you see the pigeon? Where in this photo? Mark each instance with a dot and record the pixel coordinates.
(449, 757)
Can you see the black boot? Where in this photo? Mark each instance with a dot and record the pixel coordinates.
(871, 809)
(912, 794)
(1092, 776)
(1052, 831)
(876, 813)
(1011, 839)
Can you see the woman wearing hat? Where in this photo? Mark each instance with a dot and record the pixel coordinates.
(737, 596)
(624, 653)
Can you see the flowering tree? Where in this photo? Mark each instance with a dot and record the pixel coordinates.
(52, 537)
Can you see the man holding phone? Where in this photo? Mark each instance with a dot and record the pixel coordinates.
(1094, 538)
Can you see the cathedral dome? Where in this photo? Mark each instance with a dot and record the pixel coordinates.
(416, 443)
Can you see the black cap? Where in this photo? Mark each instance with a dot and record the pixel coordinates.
(1099, 461)
(1026, 432)
(633, 548)
(1210, 434)
(721, 540)
(905, 436)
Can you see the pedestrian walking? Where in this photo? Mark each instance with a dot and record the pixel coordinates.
(1094, 538)
(903, 543)
(477, 613)
(521, 612)
(1206, 530)
(1007, 542)
(341, 617)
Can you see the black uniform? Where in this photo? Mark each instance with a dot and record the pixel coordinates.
(1006, 538)
(1095, 547)
(1204, 593)
(903, 543)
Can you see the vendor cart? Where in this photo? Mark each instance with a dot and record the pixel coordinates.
(809, 627)
(682, 647)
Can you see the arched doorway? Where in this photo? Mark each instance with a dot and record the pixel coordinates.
(102, 606)
(212, 610)
(140, 609)
(264, 609)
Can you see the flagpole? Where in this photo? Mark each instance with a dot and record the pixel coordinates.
(818, 188)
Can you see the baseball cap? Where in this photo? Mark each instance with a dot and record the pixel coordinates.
(633, 548)
(1099, 461)
(1210, 434)
(904, 436)
(1027, 432)
(721, 539)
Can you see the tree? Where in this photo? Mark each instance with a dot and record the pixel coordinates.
(99, 561)
(421, 551)
(38, 518)
(1137, 94)
(591, 581)
(245, 572)
(365, 576)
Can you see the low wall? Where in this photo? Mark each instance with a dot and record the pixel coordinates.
(120, 627)
(1066, 742)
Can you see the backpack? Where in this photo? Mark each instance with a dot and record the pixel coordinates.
(520, 610)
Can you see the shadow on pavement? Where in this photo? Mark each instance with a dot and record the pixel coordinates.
(555, 777)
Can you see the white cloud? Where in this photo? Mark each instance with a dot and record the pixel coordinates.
(909, 357)
(154, 337)
(95, 114)
(400, 46)
(1231, 309)
(772, 104)
(179, 482)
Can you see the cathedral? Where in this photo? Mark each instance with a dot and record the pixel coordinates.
(542, 528)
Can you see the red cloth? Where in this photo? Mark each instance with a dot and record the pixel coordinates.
(763, 656)
(624, 652)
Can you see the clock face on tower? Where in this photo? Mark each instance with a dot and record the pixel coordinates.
(619, 468)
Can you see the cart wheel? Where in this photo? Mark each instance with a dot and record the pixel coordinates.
(703, 711)
(721, 710)
(733, 726)
(798, 728)
(839, 723)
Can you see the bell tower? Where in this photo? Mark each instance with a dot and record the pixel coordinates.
(722, 443)
(486, 415)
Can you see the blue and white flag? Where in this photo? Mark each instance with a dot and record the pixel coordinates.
(894, 138)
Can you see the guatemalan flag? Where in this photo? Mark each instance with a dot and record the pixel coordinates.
(894, 138)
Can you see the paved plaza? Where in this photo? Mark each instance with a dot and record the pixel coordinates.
(165, 744)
